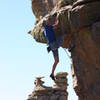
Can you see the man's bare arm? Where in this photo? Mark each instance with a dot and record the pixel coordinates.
(56, 23)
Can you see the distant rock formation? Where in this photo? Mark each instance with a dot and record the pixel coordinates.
(81, 20)
(57, 92)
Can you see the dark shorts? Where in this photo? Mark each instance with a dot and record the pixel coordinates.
(54, 47)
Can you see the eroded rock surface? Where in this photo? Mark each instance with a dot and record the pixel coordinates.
(57, 92)
(81, 20)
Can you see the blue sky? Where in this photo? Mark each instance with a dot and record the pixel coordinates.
(21, 58)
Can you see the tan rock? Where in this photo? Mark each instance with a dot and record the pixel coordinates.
(84, 15)
(61, 75)
(42, 92)
(61, 81)
(82, 22)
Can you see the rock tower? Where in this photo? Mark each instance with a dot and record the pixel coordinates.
(57, 92)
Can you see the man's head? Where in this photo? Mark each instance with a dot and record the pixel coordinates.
(47, 22)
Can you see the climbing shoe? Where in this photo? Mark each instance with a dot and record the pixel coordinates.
(52, 77)
(48, 49)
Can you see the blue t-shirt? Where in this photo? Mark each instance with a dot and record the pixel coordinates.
(49, 34)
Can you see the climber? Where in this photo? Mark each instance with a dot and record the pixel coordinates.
(53, 42)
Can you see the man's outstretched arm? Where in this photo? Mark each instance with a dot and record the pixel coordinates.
(56, 23)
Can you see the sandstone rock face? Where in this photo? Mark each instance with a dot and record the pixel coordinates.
(84, 15)
(43, 7)
(79, 20)
(86, 62)
(85, 27)
(37, 32)
(57, 92)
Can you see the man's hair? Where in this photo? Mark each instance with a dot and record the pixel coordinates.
(44, 23)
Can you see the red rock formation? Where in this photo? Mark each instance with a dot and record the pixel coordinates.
(82, 21)
(85, 26)
(57, 92)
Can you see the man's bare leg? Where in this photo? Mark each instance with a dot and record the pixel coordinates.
(54, 67)
(55, 64)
